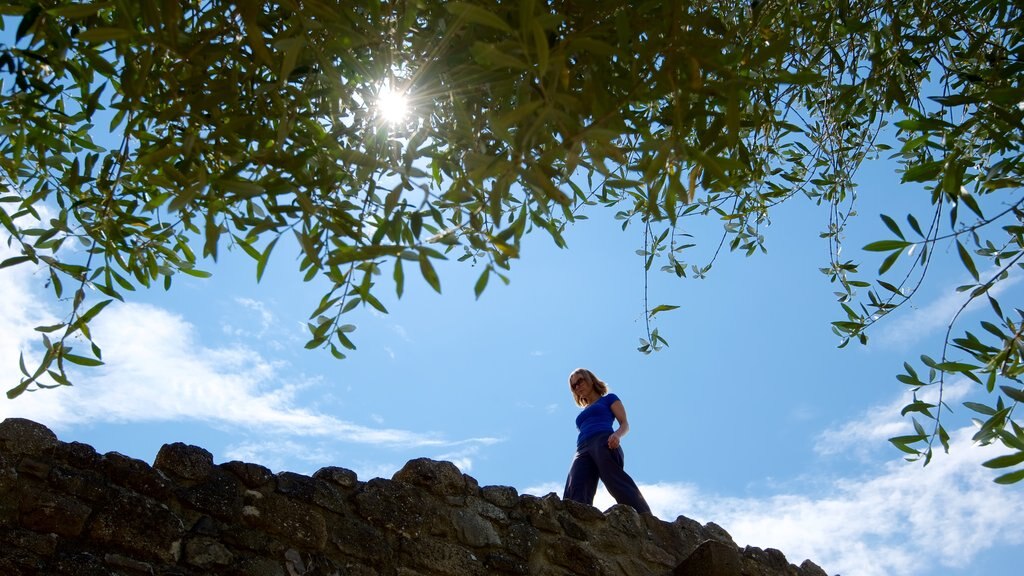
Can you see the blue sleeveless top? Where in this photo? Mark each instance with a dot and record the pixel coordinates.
(596, 418)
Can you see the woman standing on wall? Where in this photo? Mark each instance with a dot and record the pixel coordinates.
(598, 451)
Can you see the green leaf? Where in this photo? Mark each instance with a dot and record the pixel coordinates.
(14, 261)
(197, 273)
(104, 34)
(886, 245)
(913, 224)
(84, 318)
(481, 282)
(82, 360)
(27, 21)
(261, 264)
(429, 274)
(477, 15)
(78, 11)
(661, 308)
(892, 225)
(399, 277)
(1014, 393)
(889, 261)
(1005, 461)
(1011, 478)
(965, 257)
(980, 408)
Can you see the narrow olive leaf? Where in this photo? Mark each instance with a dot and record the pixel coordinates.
(889, 261)
(197, 273)
(661, 308)
(82, 360)
(105, 34)
(890, 287)
(14, 261)
(980, 408)
(372, 301)
(914, 225)
(399, 278)
(1011, 478)
(481, 282)
(540, 43)
(1014, 393)
(886, 245)
(477, 15)
(902, 442)
(93, 311)
(262, 259)
(965, 257)
(1004, 461)
(247, 248)
(428, 272)
(77, 11)
(27, 21)
(891, 224)
(506, 121)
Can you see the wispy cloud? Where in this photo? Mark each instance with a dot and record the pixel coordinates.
(879, 423)
(897, 519)
(914, 323)
(157, 370)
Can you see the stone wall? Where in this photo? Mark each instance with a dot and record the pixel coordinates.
(67, 510)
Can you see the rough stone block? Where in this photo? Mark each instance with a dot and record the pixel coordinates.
(808, 568)
(402, 508)
(290, 521)
(540, 512)
(711, 558)
(439, 478)
(184, 461)
(136, 475)
(343, 477)
(78, 455)
(504, 496)
(54, 513)
(474, 530)
(713, 531)
(146, 529)
(206, 552)
(20, 436)
(219, 495)
(577, 557)
(439, 556)
(252, 475)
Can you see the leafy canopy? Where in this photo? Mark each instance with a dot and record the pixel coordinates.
(138, 138)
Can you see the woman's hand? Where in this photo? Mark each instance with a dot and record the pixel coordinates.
(614, 440)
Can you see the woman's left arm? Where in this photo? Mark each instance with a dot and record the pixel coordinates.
(619, 411)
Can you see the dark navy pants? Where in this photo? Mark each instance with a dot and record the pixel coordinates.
(593, 461)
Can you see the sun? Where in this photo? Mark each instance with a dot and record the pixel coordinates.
(392, 105)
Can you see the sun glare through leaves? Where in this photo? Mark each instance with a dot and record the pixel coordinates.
(392, 105)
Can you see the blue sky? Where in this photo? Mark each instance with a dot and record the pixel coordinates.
(752, 418)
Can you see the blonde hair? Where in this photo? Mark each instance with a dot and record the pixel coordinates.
(599, 386)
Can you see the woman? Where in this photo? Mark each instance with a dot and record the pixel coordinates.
(598, 454)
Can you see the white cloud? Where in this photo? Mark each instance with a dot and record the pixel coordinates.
(877, 424)
(899, 519)
(280, 454)
(157, 370)
(914, 323)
